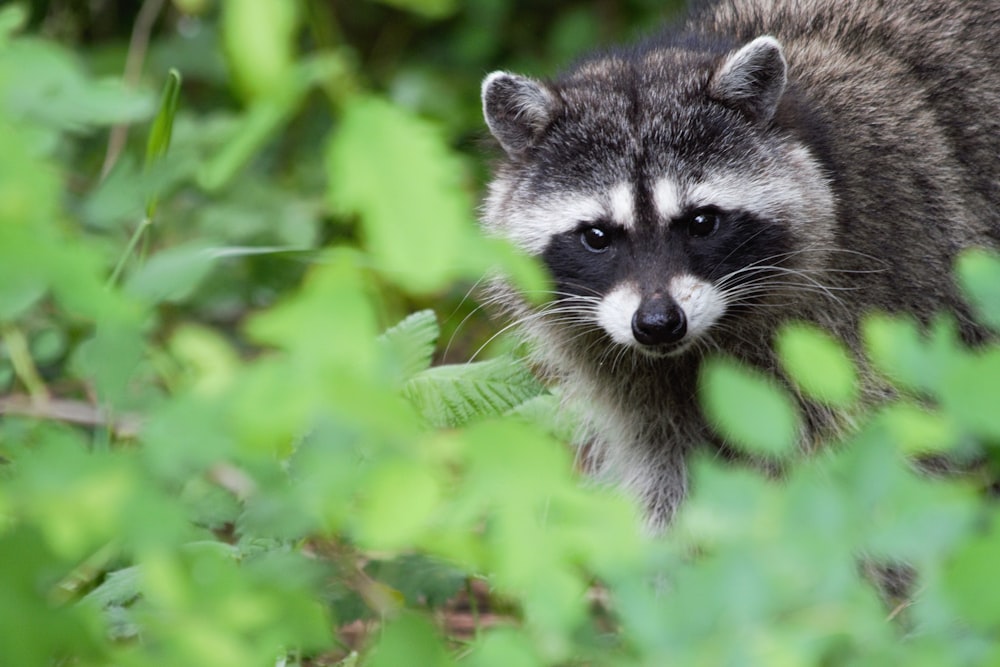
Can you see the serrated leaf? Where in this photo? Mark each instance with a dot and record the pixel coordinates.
(118, 588)
(420, 578)
(979, 275)
(749, 408)
(548, 411)
(412, 342)
(819, 364)
(455, 394)
(396, 171)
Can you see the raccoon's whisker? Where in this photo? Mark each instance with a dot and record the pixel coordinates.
(461, 324)
(520, 321)
(723, 284)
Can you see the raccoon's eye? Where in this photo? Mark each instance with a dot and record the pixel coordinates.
(595, 239)
(703, 222)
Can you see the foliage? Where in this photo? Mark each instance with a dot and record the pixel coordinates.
(227, 436)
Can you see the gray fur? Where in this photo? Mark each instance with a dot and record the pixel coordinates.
(868, 133)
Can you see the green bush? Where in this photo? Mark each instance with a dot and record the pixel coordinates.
(227, 437)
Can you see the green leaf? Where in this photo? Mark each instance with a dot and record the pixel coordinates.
(171, 275)
(979, 275)
(264, 118)
(410, 640)
(13, 18)
(819, 364)
(970, 392)
(920, 430)
(421, 579)
(749, 408)
(455, 394)
(503, 647)
(897, 349)
(118, 588)
(969, 583)
(412, 342)
(53, 91)
(259, 38)
(399, 501)
(430, 8)
(45, 631)
(163, 124)
(396, 172)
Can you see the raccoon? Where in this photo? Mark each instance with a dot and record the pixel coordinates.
(766, 161)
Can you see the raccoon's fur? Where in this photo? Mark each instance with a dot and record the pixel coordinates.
(810, 159)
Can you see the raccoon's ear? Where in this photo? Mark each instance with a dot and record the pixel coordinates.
(517, 110)
(753, 79)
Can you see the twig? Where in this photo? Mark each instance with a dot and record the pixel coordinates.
(137, 47)
(70, 411)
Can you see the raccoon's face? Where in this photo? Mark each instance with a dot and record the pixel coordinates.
(662, 205)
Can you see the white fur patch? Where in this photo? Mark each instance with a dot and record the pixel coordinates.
(622, 205)
(531, 229)
(667, 198)
(702, 303)
(615, 313)
(769, 193)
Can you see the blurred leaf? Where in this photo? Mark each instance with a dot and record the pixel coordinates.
(38, 632)
(118, 588)
(502, 648)
(410, 640)
(171, 275)
(420, 578)
(266, 115)
(52, 90)
(400, 501)
(977, 596)
(979, 275)
(970, 392)
(456, 394)
(13, 17)
(110, 358)
(259, 39)
(819, 364)
(748, 408)
(429, 8)
(416, 234)
(920, 430)
(897, 349)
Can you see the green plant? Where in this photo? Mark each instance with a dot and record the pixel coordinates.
(227, 439)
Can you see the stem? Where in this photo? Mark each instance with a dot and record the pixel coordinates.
(132, 243)
(473, 605)
(137, 47)
(24, 365)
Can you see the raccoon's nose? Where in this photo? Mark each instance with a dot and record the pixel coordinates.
(659, 321)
